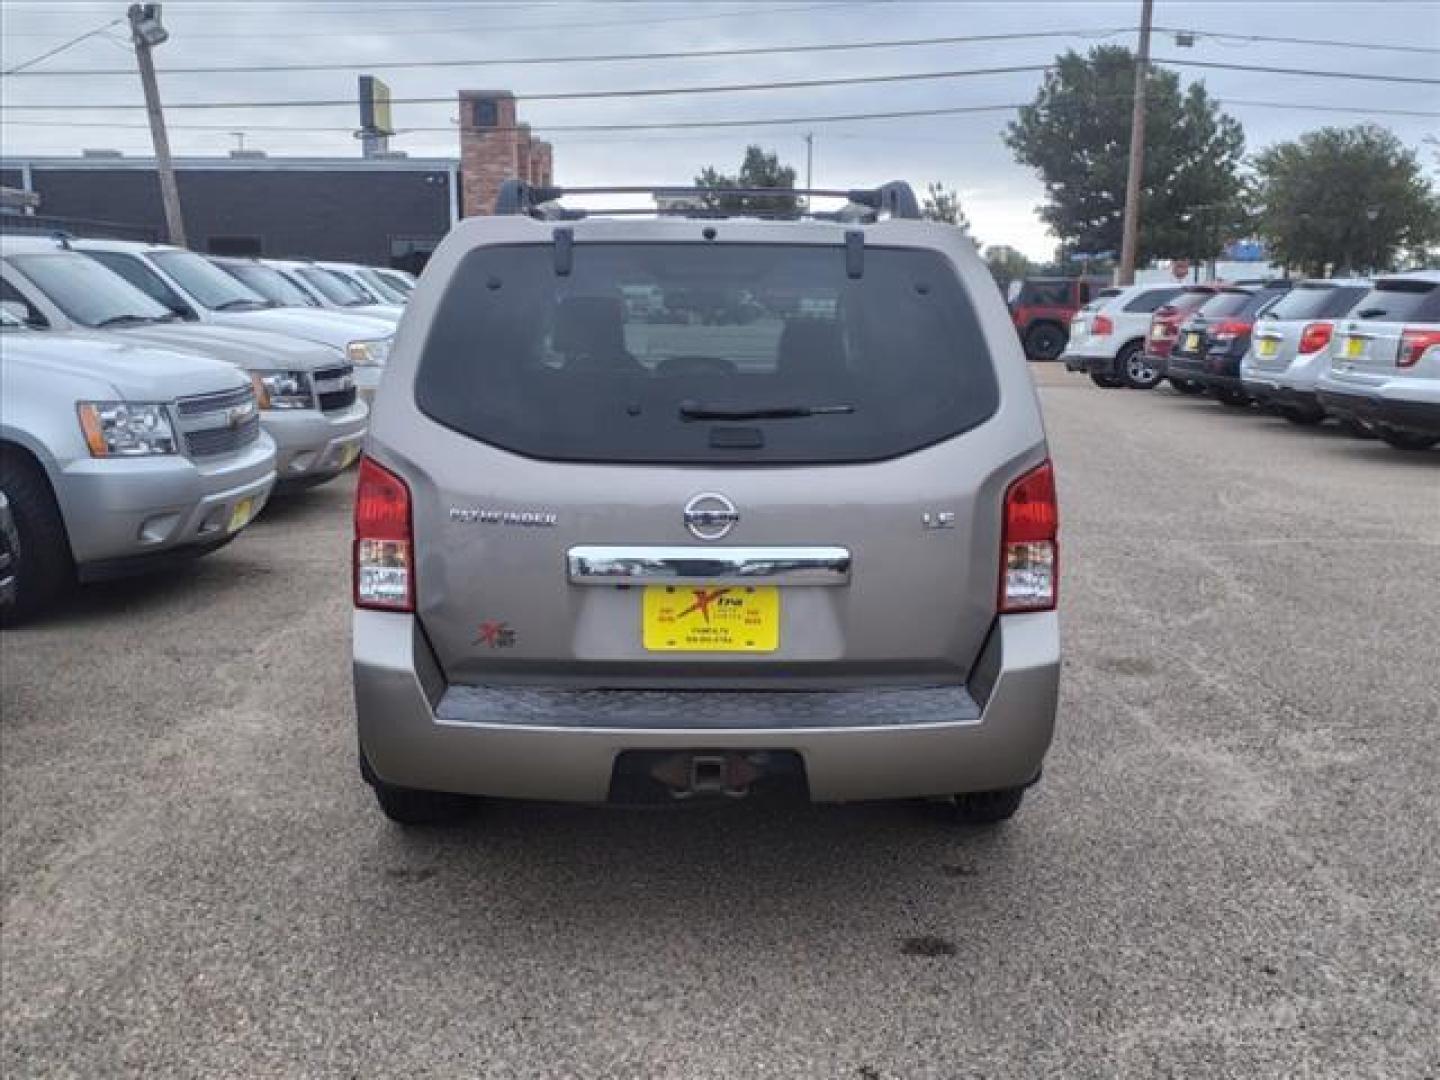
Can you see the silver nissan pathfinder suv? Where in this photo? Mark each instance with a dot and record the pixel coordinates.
(701, 505)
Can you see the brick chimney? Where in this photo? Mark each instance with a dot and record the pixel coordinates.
(495, 147)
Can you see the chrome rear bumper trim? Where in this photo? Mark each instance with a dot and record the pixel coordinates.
(610, 565)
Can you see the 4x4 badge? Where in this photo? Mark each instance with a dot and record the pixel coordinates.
(710, 516)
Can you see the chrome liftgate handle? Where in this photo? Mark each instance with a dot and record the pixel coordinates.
(624, 565)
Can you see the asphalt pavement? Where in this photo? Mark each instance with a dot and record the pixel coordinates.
(1230, 869)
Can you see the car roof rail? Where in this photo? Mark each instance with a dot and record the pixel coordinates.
(895, 199)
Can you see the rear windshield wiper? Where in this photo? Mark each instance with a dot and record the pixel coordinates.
(693, 410)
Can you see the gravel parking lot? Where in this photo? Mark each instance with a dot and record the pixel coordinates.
(1230, 869)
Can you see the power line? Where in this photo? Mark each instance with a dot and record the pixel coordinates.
(1296, 40)
(595, 58)
(1309, 72)
(20, 68)
(578, 95)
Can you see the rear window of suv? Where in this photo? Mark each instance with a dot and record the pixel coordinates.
(1400, 300)
(1227, 302)
(686, 353)
(1316, 302)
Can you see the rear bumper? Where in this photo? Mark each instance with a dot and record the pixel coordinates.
(1372, 408)
(1092, 363)
(520, 742)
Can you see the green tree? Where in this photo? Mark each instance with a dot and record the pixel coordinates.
(1348, 199)
(1007, 265)
(943, 204)
(1076, 134)
(758, 170)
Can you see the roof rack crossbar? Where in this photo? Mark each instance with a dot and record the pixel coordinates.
(895, 199)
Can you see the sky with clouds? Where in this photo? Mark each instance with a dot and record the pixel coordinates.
(962, 151)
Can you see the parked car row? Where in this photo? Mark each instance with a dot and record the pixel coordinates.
(153, 401)
(1364, 353)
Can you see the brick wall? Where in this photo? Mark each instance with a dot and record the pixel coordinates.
(495, 147)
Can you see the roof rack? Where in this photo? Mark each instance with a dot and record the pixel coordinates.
(895, 199)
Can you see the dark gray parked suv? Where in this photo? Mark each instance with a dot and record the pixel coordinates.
(697, 505)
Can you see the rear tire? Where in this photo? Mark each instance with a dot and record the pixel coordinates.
(414, 808)
(988, 807)
(1407, 440)
(1140, 371)
(1297, 414)
(1045, 341)
(1106, 382)
(1235, 399)
(1357, 428)
(1186, 387)
(44, 569)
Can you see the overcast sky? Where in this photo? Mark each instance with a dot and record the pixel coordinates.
(964, 152)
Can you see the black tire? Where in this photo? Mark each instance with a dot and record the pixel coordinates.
(44, 569)
(413, 808)
(1407, 440)
(1235, 399)
(1045, 341)
(988, 807)
(1357, 428)
(1106, 382)
(1298, 414)
(1139, 372)
(1186, 387)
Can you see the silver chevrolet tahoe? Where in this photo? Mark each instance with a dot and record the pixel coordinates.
(306, 393)
(702, 505)
(115, 459)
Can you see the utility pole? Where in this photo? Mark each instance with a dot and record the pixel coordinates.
(146, 31)
(1131, 241)
(809, 158)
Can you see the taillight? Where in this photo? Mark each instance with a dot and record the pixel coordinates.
(1102, 325)
(1315, 337)
(1229, 330)
(1413, 344)
(384, 547)
(1029, 547)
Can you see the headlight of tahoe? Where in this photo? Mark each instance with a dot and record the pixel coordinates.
(126, 428)
(282, 389)
(368, 353)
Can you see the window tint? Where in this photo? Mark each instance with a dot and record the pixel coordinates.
(1045, 294)
(1398, 300)
(1316, 302)
(656, 353)
(86, 292)
(1149, 301)
(143, 278)
(207, 283)
(1226, 303)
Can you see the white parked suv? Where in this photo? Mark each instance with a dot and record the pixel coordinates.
(194, 288)
(368, 282)
(117, 458)
(1108, 342)
(335, 291)
(1385, 363)
(306, 392)
(1290, 346)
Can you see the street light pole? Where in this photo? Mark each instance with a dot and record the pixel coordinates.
(146, 31)
(1131, 240)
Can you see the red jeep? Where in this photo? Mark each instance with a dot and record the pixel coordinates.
(1042, 308)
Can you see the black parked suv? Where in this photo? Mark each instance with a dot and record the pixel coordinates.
(1213, 341)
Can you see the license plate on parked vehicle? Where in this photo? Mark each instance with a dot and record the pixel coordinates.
(1354, 347)
(1267, 347)
(718, 618)
(241, 514)
(1192, 342)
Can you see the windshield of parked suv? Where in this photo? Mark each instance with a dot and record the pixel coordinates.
(270, 283)
(1316, 302)
(88, 293)
(207, 283)
(333, 287)
(1397, 300)
(716, 353)
(399, 282)
(381, 287)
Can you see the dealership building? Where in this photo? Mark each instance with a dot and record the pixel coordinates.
(383, 209)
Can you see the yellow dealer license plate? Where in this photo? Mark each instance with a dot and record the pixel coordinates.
(1192, 342)
(240, 516)
(1354, 347)
(711, 618)
(1267, 347)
